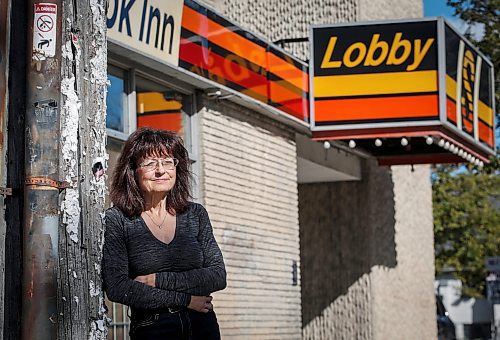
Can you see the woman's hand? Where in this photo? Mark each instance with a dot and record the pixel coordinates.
(201, 304)
(147, 279)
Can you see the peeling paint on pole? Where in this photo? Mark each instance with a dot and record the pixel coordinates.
(83, 162)
(70, 206)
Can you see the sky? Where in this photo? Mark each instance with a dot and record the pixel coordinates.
(439, 8)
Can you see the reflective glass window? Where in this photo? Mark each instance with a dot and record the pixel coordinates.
(116, 100)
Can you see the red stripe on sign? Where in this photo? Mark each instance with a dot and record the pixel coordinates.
(297, 108)
(45, 8)
(451, 110)
(223, 68)
(376, 108)
(486, 133)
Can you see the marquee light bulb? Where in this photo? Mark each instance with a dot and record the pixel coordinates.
(447, 145)
(352, 144)
(327, 145)
(441, 142)
(429, 140)
(378, 142)
(404, 141)
(460, 152)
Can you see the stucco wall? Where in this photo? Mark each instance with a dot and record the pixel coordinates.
(346, 229)
(389, 9)
(367, 256)
(249, 185)
(403, 296)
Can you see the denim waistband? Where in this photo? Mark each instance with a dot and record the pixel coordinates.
(137, 315)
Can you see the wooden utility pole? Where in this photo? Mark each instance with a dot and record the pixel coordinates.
(83, 155)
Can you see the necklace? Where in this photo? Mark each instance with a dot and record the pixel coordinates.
(156, 224)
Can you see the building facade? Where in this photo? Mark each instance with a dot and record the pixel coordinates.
(319, 240)
(318, 243)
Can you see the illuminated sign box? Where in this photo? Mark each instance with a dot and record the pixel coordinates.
(408, 92)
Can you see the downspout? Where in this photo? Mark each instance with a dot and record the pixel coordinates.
(41, 190)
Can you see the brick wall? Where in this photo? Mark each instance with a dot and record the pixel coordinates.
(249, 185)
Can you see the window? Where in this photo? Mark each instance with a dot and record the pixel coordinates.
(120, 120)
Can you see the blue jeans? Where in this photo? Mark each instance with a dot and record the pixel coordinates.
(183, 324)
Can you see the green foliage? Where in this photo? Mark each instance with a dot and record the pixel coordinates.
(466, 222)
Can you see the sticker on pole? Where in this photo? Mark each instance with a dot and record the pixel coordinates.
(44, 29)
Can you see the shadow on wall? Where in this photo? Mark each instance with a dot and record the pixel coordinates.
(346, 228)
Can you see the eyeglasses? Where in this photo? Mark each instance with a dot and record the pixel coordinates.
(153, 164)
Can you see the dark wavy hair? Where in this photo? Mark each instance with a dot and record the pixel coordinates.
(146, 142)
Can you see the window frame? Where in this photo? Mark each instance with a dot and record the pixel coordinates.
(129, 120)
(130, 117)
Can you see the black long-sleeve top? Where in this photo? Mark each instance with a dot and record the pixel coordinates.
(191, 264)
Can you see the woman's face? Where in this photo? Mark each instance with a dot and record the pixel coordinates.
(156, 174)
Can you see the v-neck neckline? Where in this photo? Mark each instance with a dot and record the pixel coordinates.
(145, 225)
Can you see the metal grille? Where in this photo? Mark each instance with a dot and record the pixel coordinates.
(119, 327)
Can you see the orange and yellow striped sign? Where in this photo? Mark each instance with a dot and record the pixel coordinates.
(375, 74)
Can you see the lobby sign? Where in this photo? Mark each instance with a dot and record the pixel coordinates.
(401, 78)
(151, 27)
(374, 73)
(469, 77)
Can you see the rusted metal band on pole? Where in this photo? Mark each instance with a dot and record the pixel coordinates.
(47, 183)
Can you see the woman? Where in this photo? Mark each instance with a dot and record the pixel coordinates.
(160, 255)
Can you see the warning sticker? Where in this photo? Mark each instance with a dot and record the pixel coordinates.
(44, 30)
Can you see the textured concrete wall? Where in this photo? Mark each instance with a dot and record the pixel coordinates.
(346, 228)
(389, 9)
(367, 256)
(249, 181)
(403, 296)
